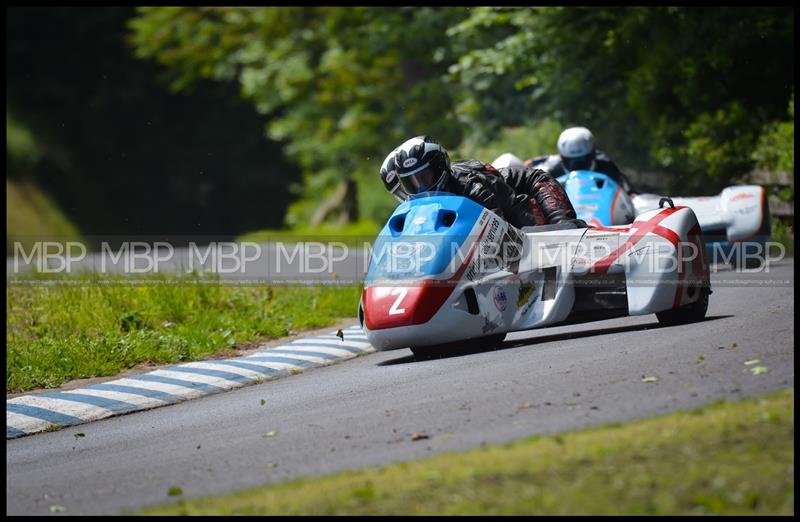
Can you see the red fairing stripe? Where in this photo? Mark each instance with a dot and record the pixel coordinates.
(393, 306)
(639, 230)
(599, 227)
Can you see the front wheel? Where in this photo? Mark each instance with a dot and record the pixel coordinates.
(690, 313)
(458, 347)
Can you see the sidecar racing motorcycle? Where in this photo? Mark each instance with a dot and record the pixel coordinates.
(444, 270)
(735, 223)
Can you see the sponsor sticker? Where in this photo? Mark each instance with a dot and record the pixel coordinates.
(410, 162)
(527, 296)
(746, 210)
(639, 252)
(500, 298)
(488, 325)
(525, 292)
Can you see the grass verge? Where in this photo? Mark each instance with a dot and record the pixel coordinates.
(726, 458)
(31, 215)
(61, 332)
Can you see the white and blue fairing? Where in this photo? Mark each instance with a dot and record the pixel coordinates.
(422, 237)
(597, 198)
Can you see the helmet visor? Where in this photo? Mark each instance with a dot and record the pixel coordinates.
(422, 181)
(398, 194)
(585, 162)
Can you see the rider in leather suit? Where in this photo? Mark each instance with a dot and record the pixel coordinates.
(577, 151)
(525, 196)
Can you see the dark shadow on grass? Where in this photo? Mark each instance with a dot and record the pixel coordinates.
(471, 350)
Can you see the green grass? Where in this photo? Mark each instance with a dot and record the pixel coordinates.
(727, 458)
(66, 331)
(354, 234)
(32, 216)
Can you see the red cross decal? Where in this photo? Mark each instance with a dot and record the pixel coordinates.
(638, 231)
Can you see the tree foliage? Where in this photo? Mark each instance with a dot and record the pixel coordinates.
(775, 151)
(90, 124)
(22, 151)
(690, 91)
(342, 86)
(681, 89)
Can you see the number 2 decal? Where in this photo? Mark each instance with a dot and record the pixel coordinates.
(394, 310)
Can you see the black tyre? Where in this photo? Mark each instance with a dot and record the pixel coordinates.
(690, 313)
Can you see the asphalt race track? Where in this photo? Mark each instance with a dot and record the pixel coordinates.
(363, 411)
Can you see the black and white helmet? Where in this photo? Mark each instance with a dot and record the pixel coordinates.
(390, 179)
(577, 149)
(421, 164)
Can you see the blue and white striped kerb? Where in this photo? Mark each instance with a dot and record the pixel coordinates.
(34, 413)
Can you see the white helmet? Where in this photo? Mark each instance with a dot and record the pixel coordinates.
(507, 160)
(577, 149)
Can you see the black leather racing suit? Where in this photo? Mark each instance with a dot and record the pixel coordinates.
(524, 196)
